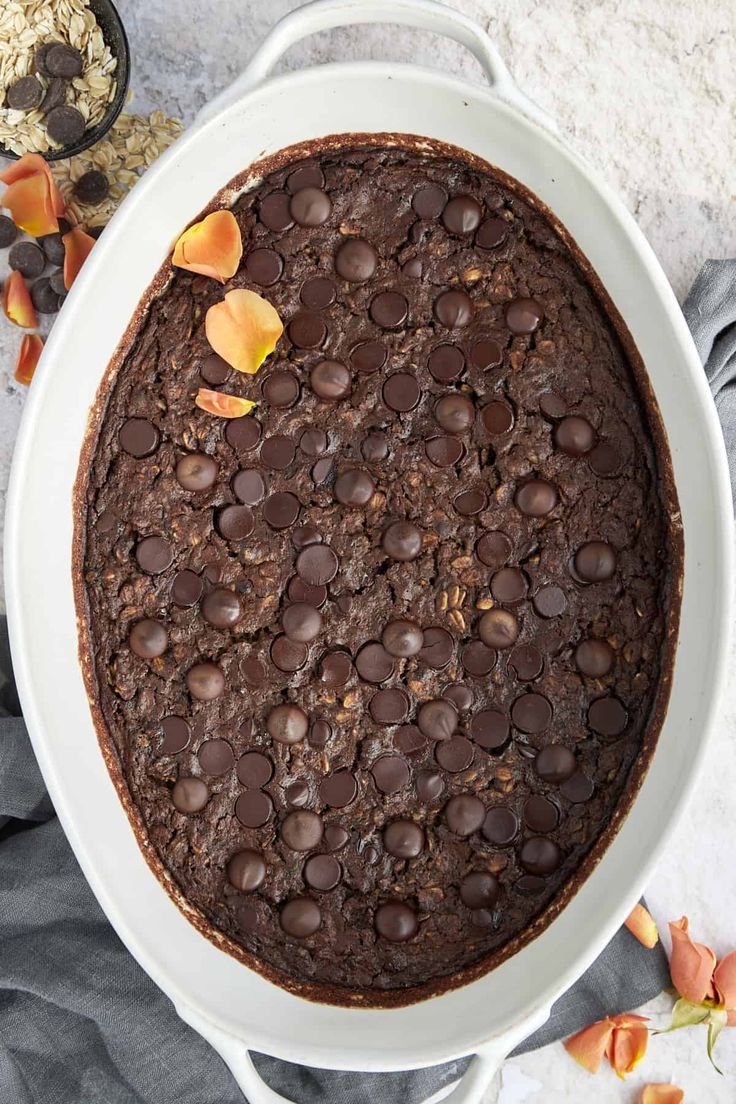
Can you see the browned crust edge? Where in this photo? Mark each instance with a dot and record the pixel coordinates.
(330, 994)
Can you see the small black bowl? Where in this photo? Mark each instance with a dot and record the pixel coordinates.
(113, 32)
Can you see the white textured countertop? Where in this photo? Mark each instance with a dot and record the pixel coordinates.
(645, 90)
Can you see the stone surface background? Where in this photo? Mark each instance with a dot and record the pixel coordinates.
(645, 89)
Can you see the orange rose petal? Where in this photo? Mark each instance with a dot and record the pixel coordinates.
(589, 1045)
(212, 247)
(31, 348)
(224, 406)
(28, 165)
(661, 1094)
(244, 328)
(691, 964)
(641, 925)
(628, 1043)
(17, 302)
(724, 979)
(31, 207)
(77, 248)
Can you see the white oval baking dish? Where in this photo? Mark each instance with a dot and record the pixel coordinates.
(233, 1007)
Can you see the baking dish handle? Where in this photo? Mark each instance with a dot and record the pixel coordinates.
(472, 1088)
(426, 15)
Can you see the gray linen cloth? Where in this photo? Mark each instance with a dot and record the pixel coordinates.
(81, 1023)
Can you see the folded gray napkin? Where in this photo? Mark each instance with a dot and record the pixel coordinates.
(81, 1023)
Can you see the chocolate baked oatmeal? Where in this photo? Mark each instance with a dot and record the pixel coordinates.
(379, 665)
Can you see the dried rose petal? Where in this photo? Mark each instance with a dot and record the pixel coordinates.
(661, 1094)
(31, 206)
(17, 302)
(29, 165)
(243, 329)
(212, 247)
(224, 406)
(31, 348)
(724, 979)
(588, 1046)
(628, 1043)
(77, 248)
(691, 964)
(641, 925)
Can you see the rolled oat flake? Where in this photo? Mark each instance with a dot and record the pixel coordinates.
(25, 94)
(65, 125)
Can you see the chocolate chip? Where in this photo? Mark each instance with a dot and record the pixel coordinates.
(354, 488)
(498, 628)
(27, 258)
(154, 555)
(430, 786)
(486, 354)
(478, 659)
(56, 280)
(402, 541)
(335, 668)
(577, 788)
(373, 663)
(281, 509)
(176, 735)
(44, 298)
(480, 889)
(404, 839)
(408, 739)
(322, 872)
(574, 435)
(443, 452)
(402, 638)
(500, 826)
(196, 471)
(356, 260)
(338, 789)
(604, 460)
(301, 622)
(369, 356)
(389, 309)
(389, 707)
(235, 523)
(310, 206)
(401, 392)
(396, 922)
(24, 94)
(274, 212)
(139, 437)
(498, 418)
(313, 442)
(493, 549)
(491, 233)
(222, 608)
(65, 125)
(531, 713)
(455, 413)
(490, 729)
(280, 389)
(306, 331)
(374, 447)
(540, 814)
(61, 60)
(460, 695)
(243, 434)
(205, 681)
(464, 814)
(527, 662)
(246, 870)
(216, 757)
(446, 363)
(523, 315)
(317, 564)
(540, 856)
(308, 175)
(438, 647)
(264, 267)
(148, 639)
(254, 769)
(189, 795)
(453, 308)
(595, 561)
(39, 57)
(8, 231)
(549, 601)
(554, 763)
(330, 380)
(317, 293)
(390, 773)
(454, 755)
(92, 187)
(462, 214)
(186, 588)
(509, 585)
(300, 917)
(536, 498)
(299, 591)
(472, 502)
(55, 94)
(429, 201)
(302, 830)
(607, 716)
(594, 658)
(287, 723)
